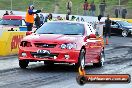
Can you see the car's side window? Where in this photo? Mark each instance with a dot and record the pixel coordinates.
(119, 25)
(23, 23)
(115, 25)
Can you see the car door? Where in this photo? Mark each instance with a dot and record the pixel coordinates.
(115, 28)
(91, 50)
(119, 29)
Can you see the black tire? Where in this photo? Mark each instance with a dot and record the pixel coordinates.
(23, 63)
(124, 33)
(48, 63)
(101, 60)
(81, 59)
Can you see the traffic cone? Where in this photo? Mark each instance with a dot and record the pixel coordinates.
(81, 71)
(106, 41)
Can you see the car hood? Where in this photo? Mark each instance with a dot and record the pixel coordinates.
(53, 38)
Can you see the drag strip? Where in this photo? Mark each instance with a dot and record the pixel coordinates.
(38, 75)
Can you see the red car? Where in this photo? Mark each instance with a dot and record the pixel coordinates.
(62, 42)
(12, 22)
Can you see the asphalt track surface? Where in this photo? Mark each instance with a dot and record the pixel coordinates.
(37, 75)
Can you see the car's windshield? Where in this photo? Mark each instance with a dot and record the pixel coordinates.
(124, 23)
(11, 22)
(61, 28)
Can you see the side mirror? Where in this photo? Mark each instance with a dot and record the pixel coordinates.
(92, 36)
(29, 33)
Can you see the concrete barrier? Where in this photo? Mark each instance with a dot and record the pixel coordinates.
(129, 20)
(9, 42)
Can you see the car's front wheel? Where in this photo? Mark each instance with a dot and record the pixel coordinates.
(101, 60)
(124, 33)
(23, 63)
(81, 59)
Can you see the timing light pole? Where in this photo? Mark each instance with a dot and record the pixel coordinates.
(11, 5)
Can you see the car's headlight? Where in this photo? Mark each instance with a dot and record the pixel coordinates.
(130, 29)
(69, 46)
(63, 46)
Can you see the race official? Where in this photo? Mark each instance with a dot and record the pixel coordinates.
(30, 17)
(108, 27)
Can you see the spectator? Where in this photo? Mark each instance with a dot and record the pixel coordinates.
(41, 19)
(56, 9)
(50, 17)
(11, 13)
(117, 12)
(85, 8)
(102, 7)
(73, 18)
(124, 12)
(107, 27)
(59, 18)
(99, 26)
(92, 9)
(67, 17)
(37, 21)
(29, 19)
(6, 13)
(46, 19)
(69, 7)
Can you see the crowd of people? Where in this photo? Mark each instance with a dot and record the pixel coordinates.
(121, 11)
(39, 19)
(90, 9)
(7, 13)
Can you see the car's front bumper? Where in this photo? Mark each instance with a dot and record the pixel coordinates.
(65, 56)
(130, 31)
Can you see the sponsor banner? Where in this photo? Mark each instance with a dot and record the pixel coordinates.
(9, 42)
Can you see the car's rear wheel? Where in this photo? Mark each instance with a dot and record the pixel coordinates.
(81, 59)
(101, 60)
(48, 63)
(124, 33)
(23, 63)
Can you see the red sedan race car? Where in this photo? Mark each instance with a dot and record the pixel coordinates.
(62, 42)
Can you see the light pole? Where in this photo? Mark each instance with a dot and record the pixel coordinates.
(119, 2)
(11, 5)
(119, 8)
(33, 2)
